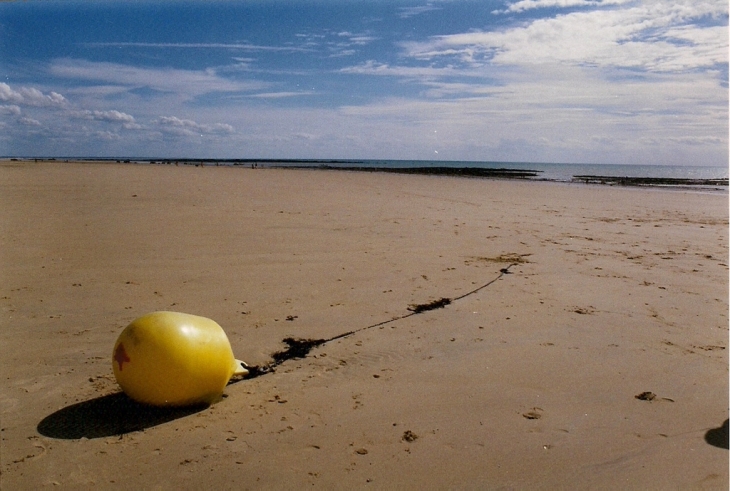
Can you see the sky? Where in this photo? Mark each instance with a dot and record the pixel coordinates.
(567, 81)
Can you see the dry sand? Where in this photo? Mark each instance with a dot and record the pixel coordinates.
(529, 383)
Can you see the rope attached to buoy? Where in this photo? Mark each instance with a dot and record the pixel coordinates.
(300, 348)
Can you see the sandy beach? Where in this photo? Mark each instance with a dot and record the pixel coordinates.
(598, 362)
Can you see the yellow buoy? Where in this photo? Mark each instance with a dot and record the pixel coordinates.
(174, 359)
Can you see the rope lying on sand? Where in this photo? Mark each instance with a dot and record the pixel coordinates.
(300, 348)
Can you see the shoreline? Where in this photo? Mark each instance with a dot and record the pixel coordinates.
(498, 173)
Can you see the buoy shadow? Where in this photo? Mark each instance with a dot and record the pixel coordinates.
(718, 437)
(110, 415)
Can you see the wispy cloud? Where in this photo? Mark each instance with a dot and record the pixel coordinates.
(335, 44)
(359, 39)
(651, 36)
(372, 67)
(228, 46)
(186, 83)
(524, 5)
(408, 12)
(280, 95)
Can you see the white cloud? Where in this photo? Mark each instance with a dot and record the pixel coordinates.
(11, 110)
(38, 103)
(696, 140)
(187, 127)
(576, 114)
(652, 36)
(29, 121)
(306, 136)
(107, 135)
(112, 116)
(29, 96)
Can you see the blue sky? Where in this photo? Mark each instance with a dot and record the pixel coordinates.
(585, 81)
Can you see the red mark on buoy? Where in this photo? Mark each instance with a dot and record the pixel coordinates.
(120, 356)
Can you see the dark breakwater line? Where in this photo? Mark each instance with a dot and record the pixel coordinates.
(648, 181)
(502, 173)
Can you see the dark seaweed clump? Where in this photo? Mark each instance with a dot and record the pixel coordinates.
(297, 348)
(436, 304)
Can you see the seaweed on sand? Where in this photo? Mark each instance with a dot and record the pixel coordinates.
(436, 304)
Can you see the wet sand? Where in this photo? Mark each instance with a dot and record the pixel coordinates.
(598, 362)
